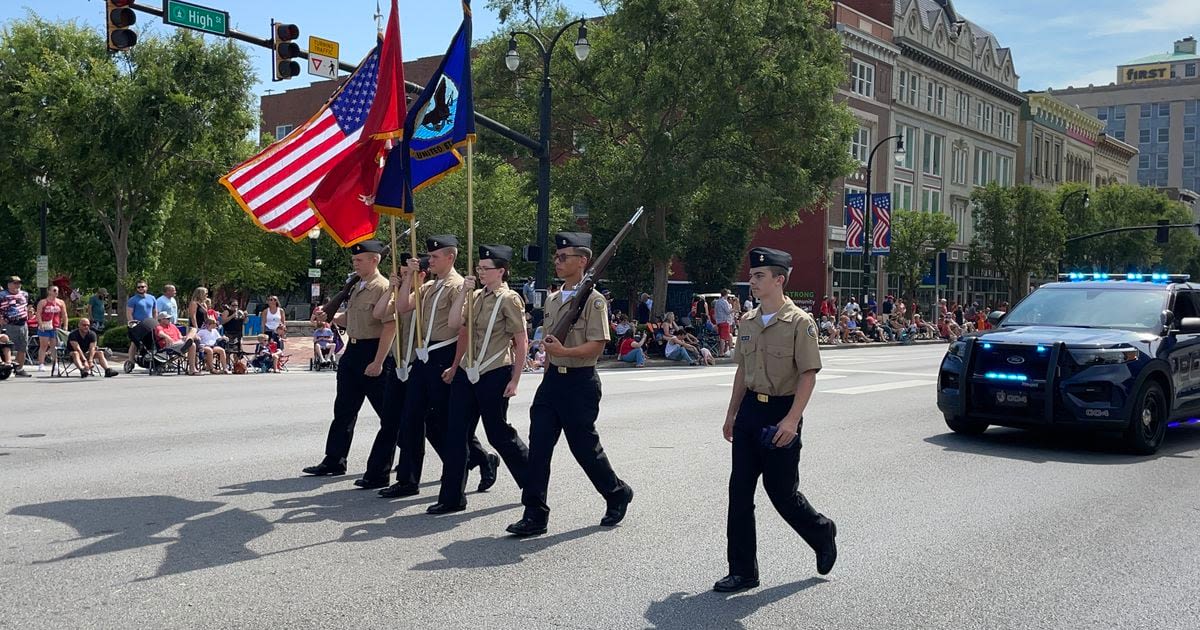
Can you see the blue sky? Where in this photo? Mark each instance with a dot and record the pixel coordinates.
(1055, 43)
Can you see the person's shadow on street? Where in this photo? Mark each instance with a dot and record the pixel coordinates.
(349, 505)
(498, 551)
(709, 609)
(287, 485)
(416, 524)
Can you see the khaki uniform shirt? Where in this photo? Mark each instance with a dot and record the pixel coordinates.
(360, 323)
(774, 356)
(510, 320)
(450, 286)
(592, 325)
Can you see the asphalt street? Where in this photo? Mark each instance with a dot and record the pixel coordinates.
(162, 502)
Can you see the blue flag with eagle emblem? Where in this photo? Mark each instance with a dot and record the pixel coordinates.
(440, 121)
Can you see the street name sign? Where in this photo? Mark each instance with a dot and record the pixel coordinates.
(194, 16)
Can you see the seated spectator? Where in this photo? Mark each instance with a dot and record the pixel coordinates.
(630, 349)
(622, 325)
(209, 339)
(168, 338)
(678, 350)
(705, 355)
(850, 331)
(871, 329)
(924, 328)
(266, 354)
(86, 352)
(952, 330)
(7, 366)
(828, 331)
(323, 344)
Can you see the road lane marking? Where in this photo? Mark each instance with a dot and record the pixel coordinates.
(856, 371)
(878, 387)
(680, 377)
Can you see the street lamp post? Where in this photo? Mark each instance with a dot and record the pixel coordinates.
(1062, 210)
(899, 155)
(313, 263)
(513, 60)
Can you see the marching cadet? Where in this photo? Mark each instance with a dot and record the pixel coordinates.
(364, 360)
(568, 399)
(482, 384)
(778, 361)
(427, 395)
(383, 450)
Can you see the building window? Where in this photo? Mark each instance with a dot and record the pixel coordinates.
(930, 90)
(1037, 156)
(932, 155)
(914, 90)
(1102, 113)
(959, 172)
(1144, 136)
(1164, 110)
(931, 200)
(1147, 109)
(910, 145)
(862, 78)
(1161, 160)
(1189, 160)
(1164, 134)
(1143, 161)
(1057, 162)
(959, 213)
(1008, 126)
(963, 102)
(1189, 70)
(1004, 170)
(1120, 135)
(1119, 114)
(901, 85)
(987, 118)
(902, 193)
(983, 167)
(1189, 107)
(283, 130)
(941, 100)
(1189, 134)
(860, 144)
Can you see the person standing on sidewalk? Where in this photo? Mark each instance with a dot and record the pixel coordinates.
(778, 360)
(366, 357)
(568, 399)
(14, 315)
(723, 317)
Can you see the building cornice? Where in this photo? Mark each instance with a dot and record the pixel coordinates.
(1111, 147)
(913, 50)
(868, 44)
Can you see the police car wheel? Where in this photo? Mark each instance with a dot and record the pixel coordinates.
(1149, 422)
(964, 426)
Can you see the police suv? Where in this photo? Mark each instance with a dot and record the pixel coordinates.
(1118, 353)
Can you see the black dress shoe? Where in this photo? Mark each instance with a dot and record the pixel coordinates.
(526, 527)
(616, 508)
(488, 472)
(397, 490)
(828, 555)
(323, 469)
(735, 583)
(442, 508)
(367, 484)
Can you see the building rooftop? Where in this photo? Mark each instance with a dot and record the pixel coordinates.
(1184, 50)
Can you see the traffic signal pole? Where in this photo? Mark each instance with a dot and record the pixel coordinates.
(410, 87)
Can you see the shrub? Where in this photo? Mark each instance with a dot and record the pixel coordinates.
(115, 337)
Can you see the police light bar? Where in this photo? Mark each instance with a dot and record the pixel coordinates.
(1076, 276)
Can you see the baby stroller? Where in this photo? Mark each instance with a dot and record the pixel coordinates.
(148, 355)
(329, 361)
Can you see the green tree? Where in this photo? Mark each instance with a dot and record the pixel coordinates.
(1127, 206)
(699, 111)
(1017, 233)
(122, 140)
(916, 238)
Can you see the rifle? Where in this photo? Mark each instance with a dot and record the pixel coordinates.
(334, 304)
(585, 286)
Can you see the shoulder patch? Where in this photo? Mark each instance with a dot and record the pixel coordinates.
(598, 303)
(812, 331)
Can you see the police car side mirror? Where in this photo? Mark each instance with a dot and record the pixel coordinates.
(994, 317)
(1189, 325)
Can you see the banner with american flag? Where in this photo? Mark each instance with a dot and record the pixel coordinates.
(881, 230)
(856, 205)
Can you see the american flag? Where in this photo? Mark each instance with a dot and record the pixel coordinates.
(274, 186)
(856, 205)
(881, 231)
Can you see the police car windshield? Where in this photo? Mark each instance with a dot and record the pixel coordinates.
(1090, 308)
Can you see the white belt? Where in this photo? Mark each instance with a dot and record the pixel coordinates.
(402, 363)
(473, 371)
(423, 353)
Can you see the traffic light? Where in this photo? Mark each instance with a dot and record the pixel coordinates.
(119, 18)
(284, 50)
(1164, 233)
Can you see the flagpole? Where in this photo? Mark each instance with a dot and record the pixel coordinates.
(395, 291)
(470, 251)
(416, 297)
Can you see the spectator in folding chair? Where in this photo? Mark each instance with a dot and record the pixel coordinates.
(323, 345)
(209, 340)
(168, 338)
(85, 351)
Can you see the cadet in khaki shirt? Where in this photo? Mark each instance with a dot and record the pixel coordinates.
(777, 361)
(483, 383)
(364, 360)
(568, 400)
(427, 395)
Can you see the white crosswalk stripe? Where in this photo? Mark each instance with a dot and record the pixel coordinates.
(878, 387)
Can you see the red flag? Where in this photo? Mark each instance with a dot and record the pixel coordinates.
(344, 200)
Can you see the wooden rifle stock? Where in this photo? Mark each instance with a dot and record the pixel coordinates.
(585, 286)
(331, 307)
